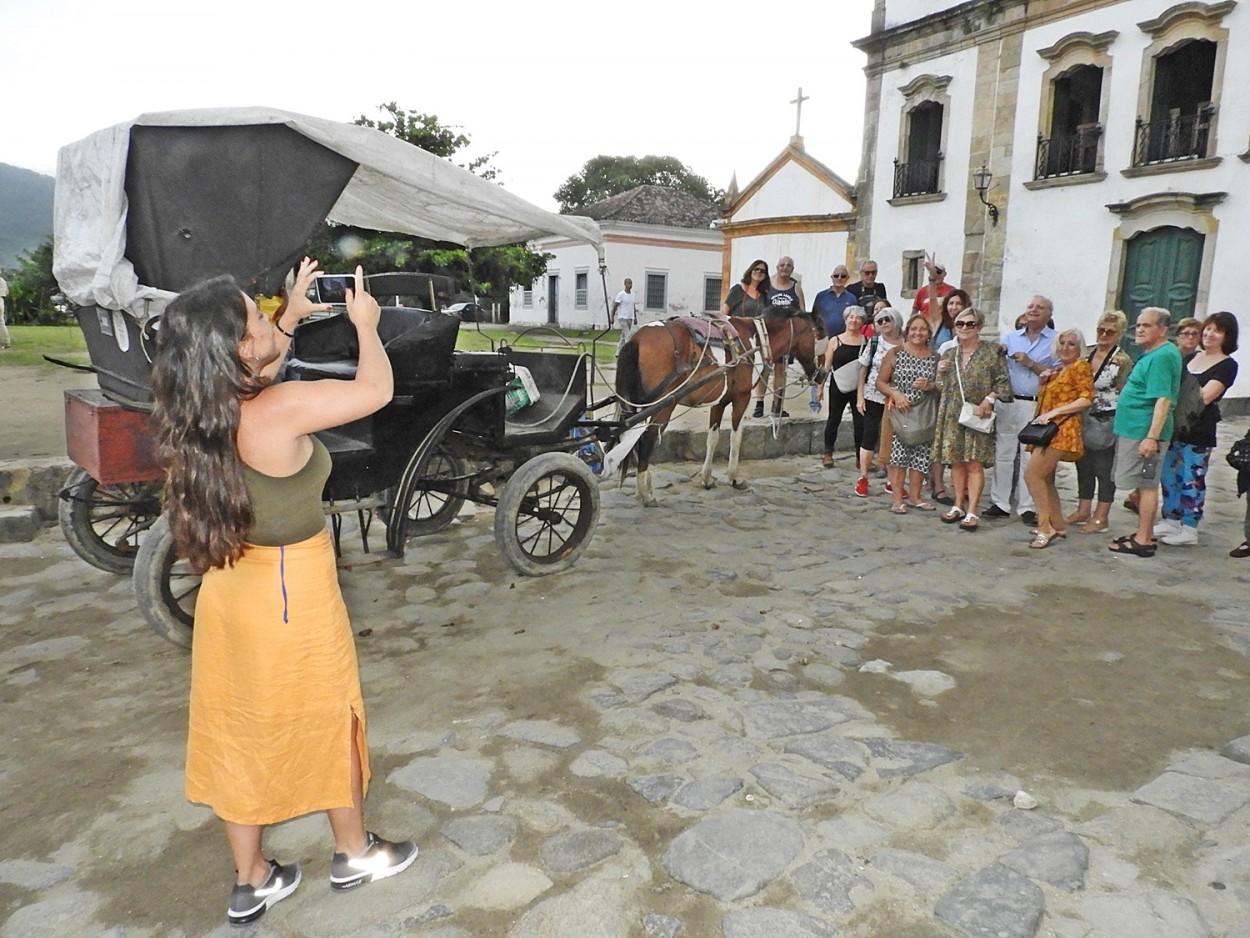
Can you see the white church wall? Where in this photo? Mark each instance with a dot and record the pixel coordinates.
(792, 190)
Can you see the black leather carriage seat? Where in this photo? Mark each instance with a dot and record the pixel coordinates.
(418, 343)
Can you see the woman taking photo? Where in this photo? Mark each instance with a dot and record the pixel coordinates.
(870, 401)
(842, 363)
(974, 372)
(1065, 392)
(1184, 474)
(908, 373)
(277, 721)
(1110, 366)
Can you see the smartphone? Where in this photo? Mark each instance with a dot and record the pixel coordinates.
(1150, 468)
(331, 288)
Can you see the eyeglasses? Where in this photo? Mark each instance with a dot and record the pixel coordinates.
(1107, 330)
(869, 273)
(883, 320)
(1190, 332)
(965, 323)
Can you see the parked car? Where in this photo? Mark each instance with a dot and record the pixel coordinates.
(468, 312)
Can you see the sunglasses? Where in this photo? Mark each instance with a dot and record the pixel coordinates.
(869, 273)
(759, 270)
(965, 323)
(839, 276)
(883, 320)
(1106, 330)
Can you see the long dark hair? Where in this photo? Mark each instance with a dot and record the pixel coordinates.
(948, 321)
(1226, 322)
(198, 382)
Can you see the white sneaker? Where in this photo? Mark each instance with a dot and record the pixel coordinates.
(1167, 527)
(1185, 537)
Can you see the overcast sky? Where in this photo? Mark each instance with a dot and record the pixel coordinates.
(548, 85)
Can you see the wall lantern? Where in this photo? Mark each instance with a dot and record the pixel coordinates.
(981, 179)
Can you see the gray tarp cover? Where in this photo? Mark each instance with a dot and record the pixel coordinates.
(396, 187)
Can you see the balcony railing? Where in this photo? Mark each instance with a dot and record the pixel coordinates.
(917, 177)
(1175, 137)
(1068, 154)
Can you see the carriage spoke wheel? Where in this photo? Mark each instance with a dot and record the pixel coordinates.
(104, 524)
(547, 514)
(433, 501)
(165, 586)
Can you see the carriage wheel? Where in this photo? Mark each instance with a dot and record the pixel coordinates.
(547, 514)
(165, 587)
(104, 524)
(429, 510)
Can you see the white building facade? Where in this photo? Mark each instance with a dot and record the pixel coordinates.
(1118, 158)
(676, 271)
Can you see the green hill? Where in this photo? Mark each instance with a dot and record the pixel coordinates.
(25, 211)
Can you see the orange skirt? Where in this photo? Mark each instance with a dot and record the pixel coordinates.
(274, 687)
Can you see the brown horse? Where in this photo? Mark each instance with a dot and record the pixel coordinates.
(664, 358)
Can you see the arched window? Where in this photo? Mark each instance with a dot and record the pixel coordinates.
(918, 168)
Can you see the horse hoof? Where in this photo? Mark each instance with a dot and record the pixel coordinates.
(740, 486)
(709, 484)
(651, 503)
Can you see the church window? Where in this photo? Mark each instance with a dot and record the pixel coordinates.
(1179, 123)
(711, 294)
(581, 292)
(657, 291)
(918, 169)
(1074, 106)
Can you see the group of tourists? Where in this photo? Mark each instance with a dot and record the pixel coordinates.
(945, 398)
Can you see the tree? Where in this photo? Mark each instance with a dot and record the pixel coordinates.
(488, 272)
(32, 288)
(605, 176)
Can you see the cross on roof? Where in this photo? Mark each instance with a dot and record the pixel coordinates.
(798, 111)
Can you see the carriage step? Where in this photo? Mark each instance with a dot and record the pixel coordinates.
(19, 524)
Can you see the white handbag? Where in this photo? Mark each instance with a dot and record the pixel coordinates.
(968, 416)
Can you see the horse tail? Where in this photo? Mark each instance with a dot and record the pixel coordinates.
(629, 387)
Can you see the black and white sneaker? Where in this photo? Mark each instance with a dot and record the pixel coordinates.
(378, 860)
(248, 903)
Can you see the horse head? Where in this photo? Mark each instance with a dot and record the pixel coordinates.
(792, 335)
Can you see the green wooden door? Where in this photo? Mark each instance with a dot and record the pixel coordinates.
(1161, 269)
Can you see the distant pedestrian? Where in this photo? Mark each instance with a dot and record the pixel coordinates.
(623, 312)
(5, 341)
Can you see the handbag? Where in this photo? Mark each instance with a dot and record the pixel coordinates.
(917, 424)
(1098, 430)
(1038, 434)
(968, 416)
(846, 377)
(1239, 456)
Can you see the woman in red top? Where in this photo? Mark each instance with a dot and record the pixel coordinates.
(1066, 391)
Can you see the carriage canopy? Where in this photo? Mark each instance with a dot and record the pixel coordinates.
(145, 208)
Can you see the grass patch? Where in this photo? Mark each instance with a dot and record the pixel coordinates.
(31, 343)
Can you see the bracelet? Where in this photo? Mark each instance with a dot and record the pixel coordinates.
(277, 324)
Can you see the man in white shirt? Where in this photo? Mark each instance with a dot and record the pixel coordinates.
(5, 341)
(623, 311)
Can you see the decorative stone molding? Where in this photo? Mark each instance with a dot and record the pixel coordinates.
(1056, 182)
(1158, 202)
(1179, 166)
(925, 88)
(1094, 42)
(917, 199)
(1209, 15)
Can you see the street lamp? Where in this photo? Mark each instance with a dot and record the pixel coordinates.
(981, 179)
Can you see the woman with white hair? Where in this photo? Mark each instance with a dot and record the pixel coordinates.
(869, 401)
(1066, 391)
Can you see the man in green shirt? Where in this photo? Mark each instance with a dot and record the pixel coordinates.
(1143, 425)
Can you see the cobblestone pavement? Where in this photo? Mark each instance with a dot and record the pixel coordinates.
(774, 712)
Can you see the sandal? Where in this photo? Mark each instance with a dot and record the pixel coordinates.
(950, 517)
(923, 506)
(943, 498)
(1130, 545)
(1042, 540)
(899, 509)
(1077, 518)
(1241, 550)
(970, 523)
(1093, 526)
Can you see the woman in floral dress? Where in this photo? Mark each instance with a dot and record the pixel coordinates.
(908, 373)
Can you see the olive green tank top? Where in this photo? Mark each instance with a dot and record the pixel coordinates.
(288, 509)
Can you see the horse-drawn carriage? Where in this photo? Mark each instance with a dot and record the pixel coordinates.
(145, 209)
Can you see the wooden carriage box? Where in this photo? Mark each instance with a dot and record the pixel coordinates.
(113, 444)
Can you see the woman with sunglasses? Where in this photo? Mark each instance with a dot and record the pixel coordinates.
(1066, 391)
(1110, 366)
(749, 296)
(869, 401)
(975, 372)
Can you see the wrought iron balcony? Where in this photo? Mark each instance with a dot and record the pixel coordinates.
(1068, 154)
(917, 177)
(1173, 138)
